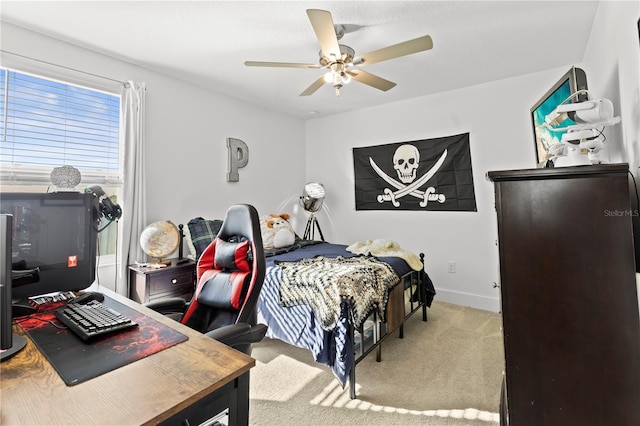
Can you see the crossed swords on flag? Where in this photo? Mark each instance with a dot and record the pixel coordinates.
(412, 188)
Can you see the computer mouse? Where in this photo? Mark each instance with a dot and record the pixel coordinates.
(87, 297)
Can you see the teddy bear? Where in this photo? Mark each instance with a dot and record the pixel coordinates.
(276, 231)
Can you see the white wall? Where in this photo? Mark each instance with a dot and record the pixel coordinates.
(186, 131)
(612, 64)
(497, 117)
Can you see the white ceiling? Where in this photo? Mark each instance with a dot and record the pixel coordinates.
(207, 42)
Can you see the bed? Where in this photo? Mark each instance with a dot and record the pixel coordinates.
(343, 343)
(365, 298)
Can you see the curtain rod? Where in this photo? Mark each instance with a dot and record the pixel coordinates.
(64, 67)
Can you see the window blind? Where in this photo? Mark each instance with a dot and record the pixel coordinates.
(46, 124)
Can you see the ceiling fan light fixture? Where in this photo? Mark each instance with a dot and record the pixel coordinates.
(337, 77)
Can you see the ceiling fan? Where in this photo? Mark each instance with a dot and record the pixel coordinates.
(341, 60)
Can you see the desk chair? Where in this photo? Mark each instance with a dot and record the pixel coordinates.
(230, 273)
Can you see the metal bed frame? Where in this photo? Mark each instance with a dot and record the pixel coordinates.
(370, 338)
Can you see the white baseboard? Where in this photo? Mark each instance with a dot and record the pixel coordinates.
(466, 299)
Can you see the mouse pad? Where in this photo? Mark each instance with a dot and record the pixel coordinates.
(77, 361)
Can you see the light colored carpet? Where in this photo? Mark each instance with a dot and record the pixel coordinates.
(447, 371)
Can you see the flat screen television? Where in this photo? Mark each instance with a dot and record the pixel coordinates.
(54, 241)
(572, 81)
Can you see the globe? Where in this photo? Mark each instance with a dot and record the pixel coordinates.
(160, 239)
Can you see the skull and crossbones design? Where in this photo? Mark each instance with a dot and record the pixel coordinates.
(405, 162)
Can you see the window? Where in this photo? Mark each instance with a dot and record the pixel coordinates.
(46, 123)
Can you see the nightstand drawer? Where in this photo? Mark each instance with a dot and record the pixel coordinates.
(184, 292)
(175, 280)
(170, 281)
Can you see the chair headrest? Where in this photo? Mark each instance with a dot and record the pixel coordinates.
(241, 221)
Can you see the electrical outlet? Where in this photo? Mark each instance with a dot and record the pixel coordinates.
(451, 267)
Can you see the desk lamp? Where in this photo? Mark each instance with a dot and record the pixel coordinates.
(311, 200)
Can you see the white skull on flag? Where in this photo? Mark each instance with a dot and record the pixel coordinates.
(405, 161)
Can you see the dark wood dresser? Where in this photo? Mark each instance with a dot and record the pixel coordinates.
(175, 280)
(568, 295)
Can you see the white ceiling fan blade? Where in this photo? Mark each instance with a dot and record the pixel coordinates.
(322, 23)
(371, 80)
(408, 47)
(280, 64)
(314, 86)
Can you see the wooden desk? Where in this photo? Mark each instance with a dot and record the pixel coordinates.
(198, 376)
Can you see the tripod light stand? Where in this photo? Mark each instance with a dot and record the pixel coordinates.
(311, 200)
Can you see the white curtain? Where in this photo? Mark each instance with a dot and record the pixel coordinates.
(133, 199)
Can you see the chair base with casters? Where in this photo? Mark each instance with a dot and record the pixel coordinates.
(230, 273)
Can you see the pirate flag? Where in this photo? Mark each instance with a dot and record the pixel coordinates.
(428, 174)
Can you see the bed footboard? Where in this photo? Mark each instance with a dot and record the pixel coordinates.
(405, 299)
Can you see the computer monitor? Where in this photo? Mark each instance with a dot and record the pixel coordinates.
(9, 344)
(54, 239)
(571, 82)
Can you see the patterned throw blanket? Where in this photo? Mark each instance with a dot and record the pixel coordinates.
(324, 283)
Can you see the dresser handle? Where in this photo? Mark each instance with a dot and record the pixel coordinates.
(174, 281)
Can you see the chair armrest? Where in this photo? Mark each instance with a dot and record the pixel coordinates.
(238, 334)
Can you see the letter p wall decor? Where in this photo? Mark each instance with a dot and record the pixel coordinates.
(238, 158)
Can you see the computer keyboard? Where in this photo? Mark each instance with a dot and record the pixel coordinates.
(92, 319)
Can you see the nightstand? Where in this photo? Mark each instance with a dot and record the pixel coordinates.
(147, 284)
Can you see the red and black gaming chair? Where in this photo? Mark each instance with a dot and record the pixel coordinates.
(230, 273)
